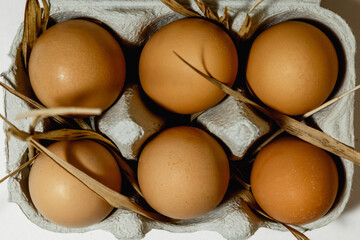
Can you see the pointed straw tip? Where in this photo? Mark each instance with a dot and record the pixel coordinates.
(51, 112)
(255, 5)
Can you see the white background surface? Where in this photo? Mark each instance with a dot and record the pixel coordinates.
(15, 226)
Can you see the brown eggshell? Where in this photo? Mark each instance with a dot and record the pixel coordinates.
(293, 181)
(292, 67)
(60, 197)
(174, 85)
(183, 172)
(77, 63)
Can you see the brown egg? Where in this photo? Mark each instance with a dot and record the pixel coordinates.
(292, 67)
(293, 181)
(174, 85)
(77, 63)
(183, 172)
(60, 197)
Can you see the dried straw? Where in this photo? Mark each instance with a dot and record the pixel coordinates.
(247, 196)
(205, 10)
(246, 26)
(195, 115)
(33, 103)
(19, 95)
(62, 121)
(304, 116)
(328, 103)
(36, 19)
(115, 199)
(51, 112)
(289, 124)
(74, 134)
(178, 8)
(19, 169)
(35, 22)
(209, 14)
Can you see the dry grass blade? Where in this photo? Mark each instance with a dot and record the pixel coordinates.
(247, 196)
(206, 10)
(19, 95)
(289, 124)
(114, 198)
(328, 103)
(255, 6)
(14, 131)
(178, 8)
(267, 141)
(31, 151)
(46, 15)
(82, 124)
(298, 235)
(54, 112)
(73, 134)
(34, 123)
(219, 84)
(225, 18)
(245, 27)
(23, 136)
(195, 115)
(23, 166)
(30, 32)
(316, 137)
(35, 21)
(129, 173)
(242, 182)
(33, 103)
(50, 112)
(9, 123)
(209, 14)
(306, 115)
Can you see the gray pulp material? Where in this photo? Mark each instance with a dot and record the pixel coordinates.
(129, 122)
(236, 124)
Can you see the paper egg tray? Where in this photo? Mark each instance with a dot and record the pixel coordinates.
(131, 120)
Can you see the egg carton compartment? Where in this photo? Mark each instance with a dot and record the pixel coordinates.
(235, 124)
(131, 121)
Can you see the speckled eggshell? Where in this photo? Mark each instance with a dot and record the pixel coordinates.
(294, 181)
(183, 172)
(77, 63)
(63, 199)
(174, 85)
(292, 67)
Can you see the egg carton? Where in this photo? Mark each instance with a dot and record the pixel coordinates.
(131, 120)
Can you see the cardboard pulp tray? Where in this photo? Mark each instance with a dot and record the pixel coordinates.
(134, 21)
